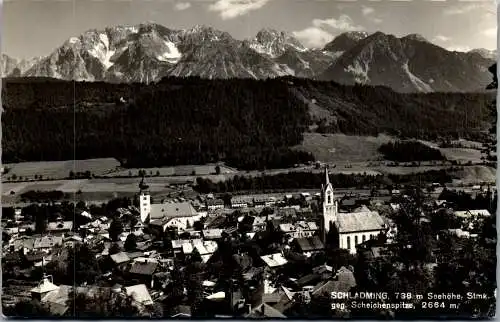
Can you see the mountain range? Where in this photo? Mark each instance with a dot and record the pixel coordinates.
(148, 52)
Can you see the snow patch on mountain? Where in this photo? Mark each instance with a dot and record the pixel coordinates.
(419, 84)
(264, 50)
(283, 70)
(105, 40)
(102, 51)
(73, 40)
(333, 54)
(171, 55)
(107, 59)
(359, 71)
(133, 29)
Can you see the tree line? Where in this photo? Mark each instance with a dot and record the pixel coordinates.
(310, 180)
(409, 151)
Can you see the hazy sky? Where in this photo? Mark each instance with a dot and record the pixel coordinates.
(36, 27)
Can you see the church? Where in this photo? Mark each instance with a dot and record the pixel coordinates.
(179, 215)
(353, 228)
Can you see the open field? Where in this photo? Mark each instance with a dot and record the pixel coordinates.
(182, 170)
(60, 169)
(340, 147)
(108, 167)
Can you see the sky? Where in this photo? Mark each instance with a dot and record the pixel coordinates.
(33, 28)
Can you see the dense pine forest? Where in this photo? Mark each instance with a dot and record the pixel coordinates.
(409, 151)
(250, 124)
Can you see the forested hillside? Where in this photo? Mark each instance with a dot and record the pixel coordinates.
(369, 110)
(246, 123)
(250, 124)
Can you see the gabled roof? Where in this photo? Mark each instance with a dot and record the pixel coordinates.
(274, 260)
(265, 311)
(343, 282)
(44, 287)
(120, 258)
(59, 225)
(140, 294)
(309, 244)
(476, 212)
(132, 255)
(181, 311)
(144, 268)
(172, 210)
(359, 221)
(47, 241)
(212, 233)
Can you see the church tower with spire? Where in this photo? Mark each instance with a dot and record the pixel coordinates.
(144, 200)
(330, 205)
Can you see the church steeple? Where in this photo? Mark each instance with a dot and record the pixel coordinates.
(330, 205)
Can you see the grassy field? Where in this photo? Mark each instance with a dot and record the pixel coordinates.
(109, 167)
(183, 170)
(60, 169)
(340, 147)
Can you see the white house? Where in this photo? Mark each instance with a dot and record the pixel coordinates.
(300, 229)
(353, 228)
(214, 204)
(239, 203)
(473, 213)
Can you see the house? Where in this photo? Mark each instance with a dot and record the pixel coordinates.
(46, 243)
(473, 213)
(181, 311)
(140, 295)
(239, 203)
(352, 228)
(264, 311)
(299, 229)
(213, 204)
(264, 202)
(144, 270)
(25, 243)
(177, 244)
(211, 234)
(274, 260)
(342, 282)
(309, 245)
(59, 227)
(205, 248)
(306, 196)
(72, 240)
(120, 258)
(43, 288)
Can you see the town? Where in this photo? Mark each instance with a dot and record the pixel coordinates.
(250, 256)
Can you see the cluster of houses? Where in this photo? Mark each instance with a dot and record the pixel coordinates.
(200, 230)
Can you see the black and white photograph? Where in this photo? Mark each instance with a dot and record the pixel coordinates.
(249, 159)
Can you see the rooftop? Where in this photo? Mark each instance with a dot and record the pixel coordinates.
(140, 294)
(359, 221)
(310, 244)
(144, 268)
(120, 258)
(274, 260)
(171, 210)
(45, 286)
